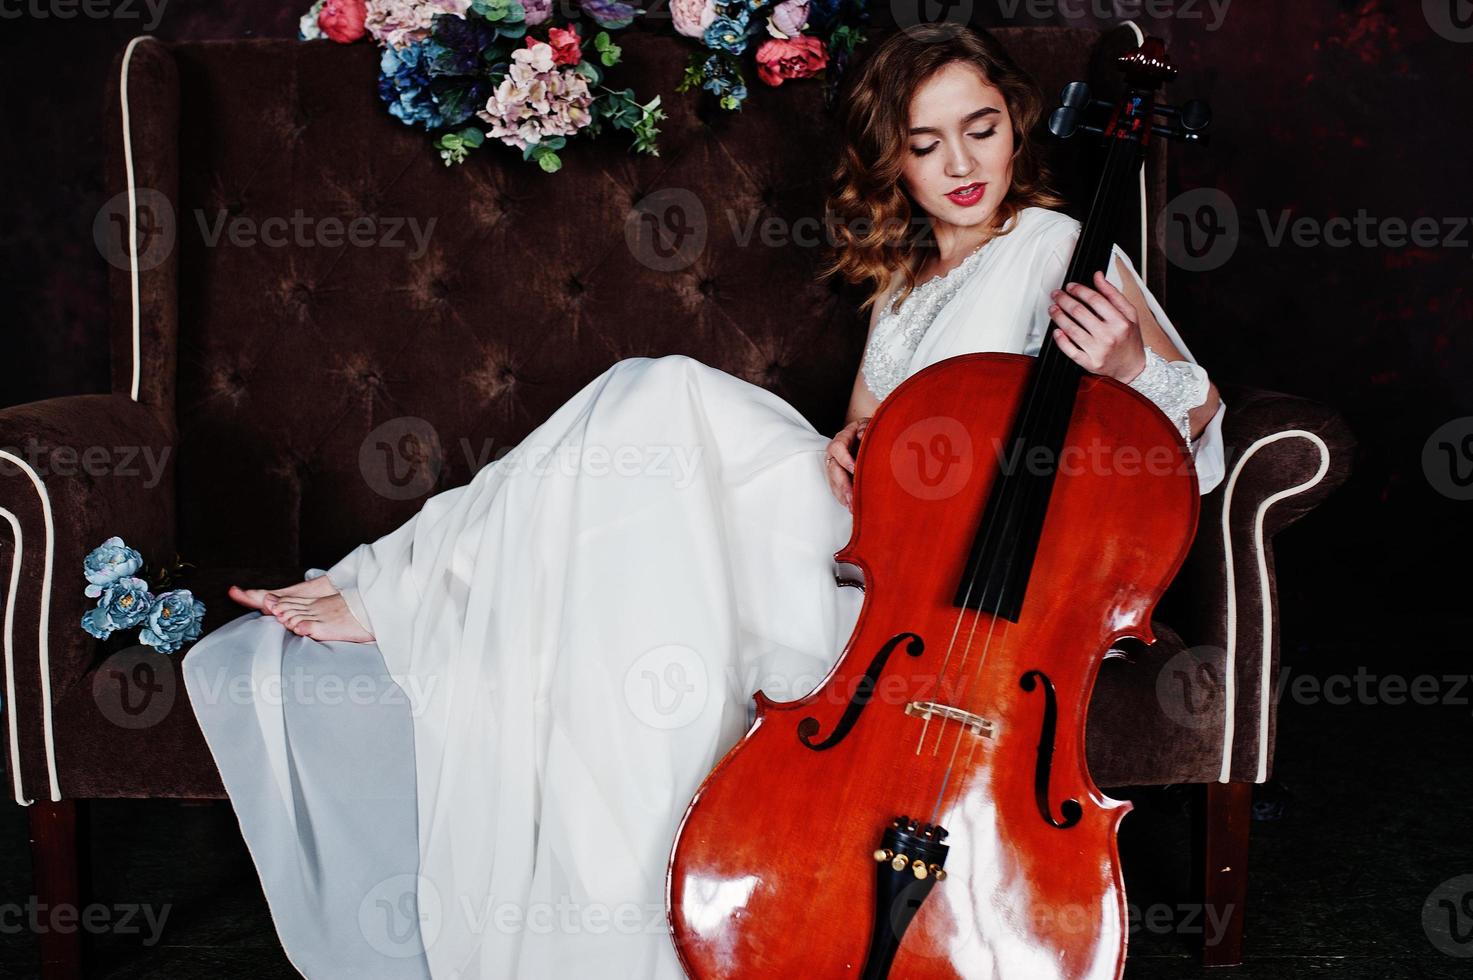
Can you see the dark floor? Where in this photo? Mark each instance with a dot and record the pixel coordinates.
(1375, 827)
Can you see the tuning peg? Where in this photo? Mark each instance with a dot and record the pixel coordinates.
(1075, 95)
(1193, 117)
(1196, 115)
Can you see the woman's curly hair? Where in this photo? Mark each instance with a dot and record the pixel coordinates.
(874, 217)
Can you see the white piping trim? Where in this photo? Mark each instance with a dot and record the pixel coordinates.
(43, 631)
(20, 795)
(1230, 689)
(132, 216)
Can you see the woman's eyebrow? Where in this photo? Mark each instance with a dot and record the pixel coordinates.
(990, 110)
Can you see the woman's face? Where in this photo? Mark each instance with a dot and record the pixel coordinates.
(960, 139)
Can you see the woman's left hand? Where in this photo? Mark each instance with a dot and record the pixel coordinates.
(1099, 329)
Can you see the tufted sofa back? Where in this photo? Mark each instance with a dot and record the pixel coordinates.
(345, 326)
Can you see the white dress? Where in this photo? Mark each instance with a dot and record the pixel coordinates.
(564, 647)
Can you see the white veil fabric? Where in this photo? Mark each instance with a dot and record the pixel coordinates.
(564, 648)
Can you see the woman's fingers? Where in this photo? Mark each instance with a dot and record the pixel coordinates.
(1074, 342)
(1082, 304)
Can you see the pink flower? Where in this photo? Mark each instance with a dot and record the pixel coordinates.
(537, 99)
(342, 20)
(788, 19)
(402, 22)
(692, 17)
(798, 57)
(565, 45)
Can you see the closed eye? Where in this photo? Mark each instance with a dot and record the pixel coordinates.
(980, 136)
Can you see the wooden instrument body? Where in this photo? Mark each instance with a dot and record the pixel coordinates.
(773, 872)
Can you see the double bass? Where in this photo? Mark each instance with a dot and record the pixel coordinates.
(926, 812)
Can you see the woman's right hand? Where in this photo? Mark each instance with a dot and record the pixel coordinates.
(838, 465)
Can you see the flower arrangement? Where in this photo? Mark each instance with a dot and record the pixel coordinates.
(468, 70)
(799, 39)
(168, 620)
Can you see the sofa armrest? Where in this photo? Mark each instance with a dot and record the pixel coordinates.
(73, 471)
(1284, 456)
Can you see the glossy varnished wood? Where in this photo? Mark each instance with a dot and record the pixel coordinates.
(772, 873)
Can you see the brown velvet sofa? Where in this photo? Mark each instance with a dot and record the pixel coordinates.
(273, 376)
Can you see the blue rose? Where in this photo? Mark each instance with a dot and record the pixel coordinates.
(109, 562)
(726, 34)
(125, 603)
(176, 618)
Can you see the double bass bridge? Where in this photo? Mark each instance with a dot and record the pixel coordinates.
(976, 724)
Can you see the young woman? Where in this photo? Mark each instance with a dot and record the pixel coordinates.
(578, 640)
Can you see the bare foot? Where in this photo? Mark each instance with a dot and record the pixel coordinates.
(321, 617)
(265, 599)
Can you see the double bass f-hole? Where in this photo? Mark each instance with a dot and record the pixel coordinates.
(1043, 765)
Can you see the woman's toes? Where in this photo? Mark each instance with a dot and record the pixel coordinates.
(251, 598)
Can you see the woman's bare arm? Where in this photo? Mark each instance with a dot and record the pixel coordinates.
(862, 401)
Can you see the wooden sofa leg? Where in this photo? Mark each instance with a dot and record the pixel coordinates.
(55, 845)
(1228, 813)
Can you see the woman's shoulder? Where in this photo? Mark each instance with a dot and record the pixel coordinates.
(1046, 224)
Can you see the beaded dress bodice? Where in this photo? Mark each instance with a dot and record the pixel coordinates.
(898, 331)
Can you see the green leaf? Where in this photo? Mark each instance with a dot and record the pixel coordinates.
(548, 160)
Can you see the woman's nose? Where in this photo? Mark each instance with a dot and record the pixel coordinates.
(960, 163)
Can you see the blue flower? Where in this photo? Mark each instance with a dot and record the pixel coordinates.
(109, 562)
(726, 34)
(722, 79)
(125, 603)
(822, 15)
(404, 84)
(176, 618)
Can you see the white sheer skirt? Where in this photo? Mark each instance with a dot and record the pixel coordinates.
(564, 648)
